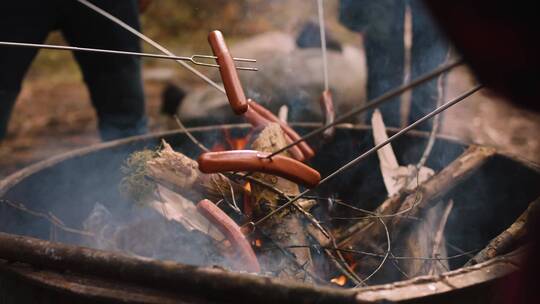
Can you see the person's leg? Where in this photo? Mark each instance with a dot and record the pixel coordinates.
(114, 82)
(381, 21)
(428, 52)
(20, 21)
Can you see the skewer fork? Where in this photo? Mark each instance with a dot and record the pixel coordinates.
(195, 59)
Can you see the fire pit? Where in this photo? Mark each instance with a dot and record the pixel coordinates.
(487, 200)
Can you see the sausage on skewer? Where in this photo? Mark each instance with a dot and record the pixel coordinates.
(229, 76)
(250, 160)
(256, 120)
(327, 109)
(306, 149)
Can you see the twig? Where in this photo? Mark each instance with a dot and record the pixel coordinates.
(430, 191)
(437, 240)
(306, 214)
(509, 238)
(53, 220)
(392, 257)
(186, 131)
(396, 265)
(372, 150)
(373, 103)
(441, 96)
(291, 257)
(388, 249)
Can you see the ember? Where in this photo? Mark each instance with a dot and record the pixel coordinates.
(340, 281)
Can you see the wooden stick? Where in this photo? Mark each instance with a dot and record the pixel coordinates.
(413, 204)
(286, 229)
(181, 174)
(508, 239)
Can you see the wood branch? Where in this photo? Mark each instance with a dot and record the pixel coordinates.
(367, 230)
(439, 243)
(426, 240)
(285, 229)
(395, 177)
(508, 239)
(181, 174)
(175, 207)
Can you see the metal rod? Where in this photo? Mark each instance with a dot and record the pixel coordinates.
(374, 103)
(375, 149)
(191, 59)
(322, 29)
(151, 42)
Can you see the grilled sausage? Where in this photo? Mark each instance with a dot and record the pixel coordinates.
(327, 108)
(250, 160)
(246, 259)
(306, 149)
(229, 76)
(256, 120)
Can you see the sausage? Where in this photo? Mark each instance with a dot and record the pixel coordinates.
(229, 76)
(327, 108)
(256, 120)
(247, 259)
(250, 160)
(306, 149)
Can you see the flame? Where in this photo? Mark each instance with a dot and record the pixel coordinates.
(230, 142)
(258, 243)
(247, 187)
(341, 280)
(248, 204)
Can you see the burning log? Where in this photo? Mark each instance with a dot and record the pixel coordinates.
(284, 229)
(414, 204)
(508, 239)
(306, 149)
(181, 174)
(426, 239)
(258, 121)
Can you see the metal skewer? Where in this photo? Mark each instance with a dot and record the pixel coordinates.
(374, 103)
(322, 29)
(192, 59)
(151, 42)
(374, 149)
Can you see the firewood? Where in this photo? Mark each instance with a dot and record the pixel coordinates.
(367, 230)
(180, 173)
(174, 207)
(284, 229)
(426, 239)
(508, 239)
(395, 177)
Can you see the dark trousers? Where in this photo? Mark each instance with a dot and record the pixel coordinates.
(114, 81)
(381, 21)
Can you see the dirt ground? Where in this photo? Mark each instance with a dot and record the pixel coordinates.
(53, 113)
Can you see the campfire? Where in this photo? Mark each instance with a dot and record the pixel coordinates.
(172, 224)
(272, 205)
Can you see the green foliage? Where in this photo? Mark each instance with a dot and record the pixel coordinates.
(135, 185)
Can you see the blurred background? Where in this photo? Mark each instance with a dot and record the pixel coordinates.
(53, 113)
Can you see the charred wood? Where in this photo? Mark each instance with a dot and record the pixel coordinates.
(414, 204)
(509, 239)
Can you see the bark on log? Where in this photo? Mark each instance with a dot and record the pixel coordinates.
(285, 229)
(426, 239)
(414, 204)
(508, 239)
(181, 174)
